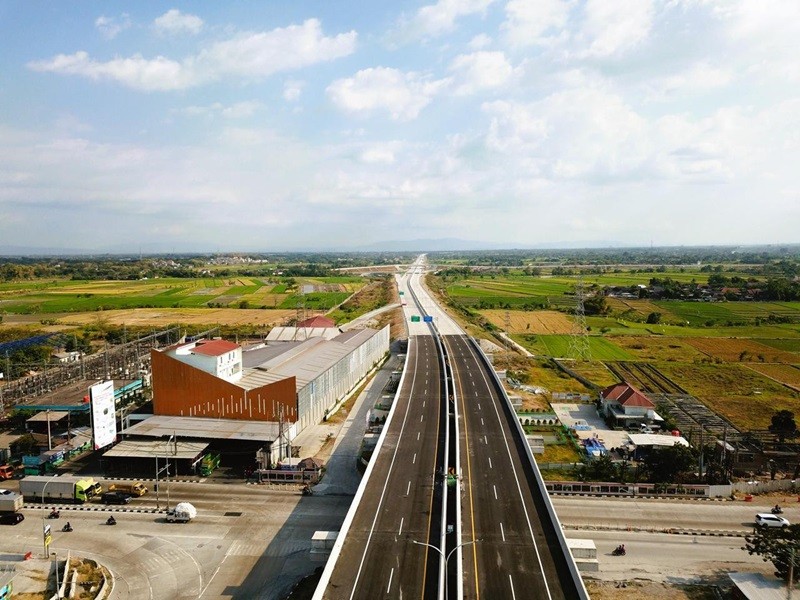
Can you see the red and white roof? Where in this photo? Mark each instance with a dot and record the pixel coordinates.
(214, 347)
(626, 395)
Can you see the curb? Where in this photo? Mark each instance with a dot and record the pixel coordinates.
(668, 531)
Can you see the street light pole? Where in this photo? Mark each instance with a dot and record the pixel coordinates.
(58, 585)
(446, 558)
(44, 523)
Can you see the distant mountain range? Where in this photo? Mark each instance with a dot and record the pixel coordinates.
(417, 245)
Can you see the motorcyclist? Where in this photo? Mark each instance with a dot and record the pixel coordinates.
(111, 520)
(67, 527)
(54, 514)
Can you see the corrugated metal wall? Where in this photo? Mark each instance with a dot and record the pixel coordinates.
(182, 390)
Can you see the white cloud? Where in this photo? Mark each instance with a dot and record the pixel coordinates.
(252, 55)
(238, 110)
(292, 90)
(402, 95)
(110, 27)
(480, 41)
(612, 27)
(527, 21)
(433, 20)
(698, 78)
(379, 154)
(175, 22)
(480, 71)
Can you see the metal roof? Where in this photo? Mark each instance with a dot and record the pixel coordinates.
(162, 426)
(156, 448)
(290, 334)
(307, 360)
(214, 347)
(654, 439)
(755, 586)
(44, 416)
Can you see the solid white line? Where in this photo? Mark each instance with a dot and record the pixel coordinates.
(511, 583)
(502, 532)
(391, 574)
(408, 489)
(413, 462)
(495, 491)
(402, 519)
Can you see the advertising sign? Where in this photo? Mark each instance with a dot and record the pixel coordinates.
(104, 417)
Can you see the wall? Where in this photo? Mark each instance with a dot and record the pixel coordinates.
(180, 389)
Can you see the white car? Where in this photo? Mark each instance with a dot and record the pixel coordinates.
(770, 520)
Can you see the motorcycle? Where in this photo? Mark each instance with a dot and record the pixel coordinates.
(619, 551)
(777, 510)
(67, 527)
(111, 521)
(54, 514)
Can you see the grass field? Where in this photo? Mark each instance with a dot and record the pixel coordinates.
(537, 322)
(788, 374)
(746, 398)
(558, 346)
(658, 348)
(52, 297)
(741, 350)
(188, 316)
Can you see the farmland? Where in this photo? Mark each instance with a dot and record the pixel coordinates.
(740, 358)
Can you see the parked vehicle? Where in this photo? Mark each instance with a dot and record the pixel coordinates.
(11, 518)
(770, 520)
(115, 498)
(9, 501)
(136, 488)
(182, 513)
(64, 488)
(6, 472)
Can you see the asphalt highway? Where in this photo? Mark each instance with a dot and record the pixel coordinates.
(379, 558)
(512, 548)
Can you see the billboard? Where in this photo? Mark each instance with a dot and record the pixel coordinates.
(104, 417)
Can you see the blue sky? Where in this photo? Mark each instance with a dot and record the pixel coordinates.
(225, 126)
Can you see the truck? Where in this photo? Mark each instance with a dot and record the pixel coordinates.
(182, 513)
(9, 501)
(136, 488)
(6, 472)
(62, 488)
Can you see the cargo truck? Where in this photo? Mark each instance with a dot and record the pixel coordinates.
(182, 513)
(132, 489)
(64, 488)
(9, 501)
(6, 472)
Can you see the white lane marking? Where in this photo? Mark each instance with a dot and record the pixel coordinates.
(408, 489)
(481, 420)
(413, 462)
(485, 441)
(419, 432)
(402, 520)
(391, 574)
(479, 404)
(421, 417)
(423, 404)
(490, 463)
(494, 487)
(502, 532)
(511, 583)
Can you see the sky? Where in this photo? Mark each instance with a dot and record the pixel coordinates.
(305, 125)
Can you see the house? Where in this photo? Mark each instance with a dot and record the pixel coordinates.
(625, 406)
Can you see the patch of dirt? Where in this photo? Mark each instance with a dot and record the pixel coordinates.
(159, 317)
(613, 590)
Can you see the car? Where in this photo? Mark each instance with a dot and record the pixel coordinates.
(115, 498)
(11, 518)
(770, 520)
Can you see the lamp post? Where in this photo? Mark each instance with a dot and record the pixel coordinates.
(44, 523)
(58, 584)
(446, 558)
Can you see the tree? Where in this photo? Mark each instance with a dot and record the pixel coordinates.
(668, 465)
(654, 318)
(777, 545)
(783, 425)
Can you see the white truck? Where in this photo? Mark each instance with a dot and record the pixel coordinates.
(10, 502)
(182, 513)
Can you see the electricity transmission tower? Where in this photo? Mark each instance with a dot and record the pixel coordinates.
(579, 340)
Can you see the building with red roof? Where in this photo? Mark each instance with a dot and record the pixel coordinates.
(318, 321)
(624, 405)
